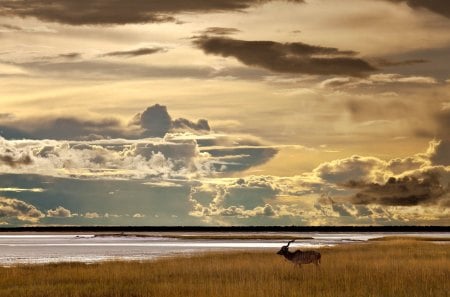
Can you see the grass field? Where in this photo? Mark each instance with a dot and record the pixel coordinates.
(400, 268)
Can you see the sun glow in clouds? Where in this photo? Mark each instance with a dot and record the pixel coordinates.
(234, 112)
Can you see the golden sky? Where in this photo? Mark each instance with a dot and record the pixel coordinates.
(224, 112)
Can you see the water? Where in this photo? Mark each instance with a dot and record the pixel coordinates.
(53, 248)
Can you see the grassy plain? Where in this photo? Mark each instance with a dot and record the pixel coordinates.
(400, 268)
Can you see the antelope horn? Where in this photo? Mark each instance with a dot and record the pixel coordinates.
(290, 242)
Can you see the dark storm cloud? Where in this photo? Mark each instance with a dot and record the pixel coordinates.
(102, 12)
(440, 155)
(389, 63)
(135, 53)
(443, 121)
(65, 56)
(441, 7)
(183, 124)
(156, 121)
(73, 128)
(220, 31)
(70, 56)
(61, 128)
(405, 191)
(439, 151)
(293, 57)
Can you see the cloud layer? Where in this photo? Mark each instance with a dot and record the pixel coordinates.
(135, 53)
(295, 57)
(155, 121)
(354, 190)
(107, 12)
(441, 7)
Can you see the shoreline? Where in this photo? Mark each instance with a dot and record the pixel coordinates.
(102, 248)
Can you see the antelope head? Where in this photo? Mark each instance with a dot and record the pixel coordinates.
(285, 248)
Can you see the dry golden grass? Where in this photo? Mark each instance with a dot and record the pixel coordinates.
(402, 268)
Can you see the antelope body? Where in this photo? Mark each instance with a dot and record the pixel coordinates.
(298, 257)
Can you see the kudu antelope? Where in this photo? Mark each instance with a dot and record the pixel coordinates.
(298, 257)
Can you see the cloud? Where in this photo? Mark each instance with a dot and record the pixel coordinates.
(117, 159)
(184, 124)
(91, 215)
(152, 146)
(397, 78)
(388, 63)
(225, 199)
(60, 128)
(374, 80)
(442, 119)
(294, 57)
(439, 149)
(156, 121)
(219, 31)
(439, 152)
(107, 12)
(8, 28)
(108, 70)
(233, 198)
(266, 210)
(239, 158)
(136, 53)
(409, 181)
(394, 191)
(14, 162)
(404, 191)
(70, 55)
(353, 168)
(59, 212)
(19, 190)
(441, 7)
(154, 159)
(7, 69)
(11, 209)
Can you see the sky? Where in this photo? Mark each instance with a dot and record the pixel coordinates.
(224, 112)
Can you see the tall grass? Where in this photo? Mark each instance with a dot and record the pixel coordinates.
(401, 268)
